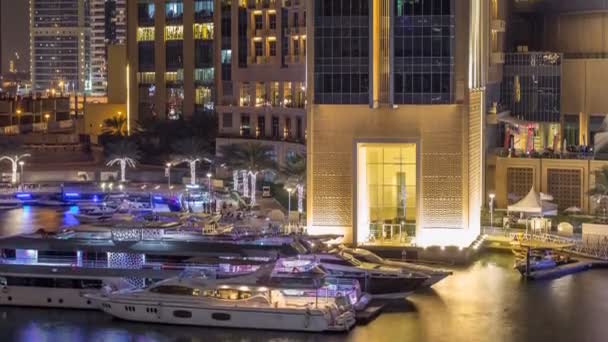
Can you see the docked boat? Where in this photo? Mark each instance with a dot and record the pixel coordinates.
(380, 281)
(49, 290)
(540, 259)
(94, 214)
(435, 274)
(253, 302)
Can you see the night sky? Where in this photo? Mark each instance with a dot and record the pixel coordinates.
(15, 35)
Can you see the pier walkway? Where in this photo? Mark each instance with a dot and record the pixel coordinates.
(595, 248)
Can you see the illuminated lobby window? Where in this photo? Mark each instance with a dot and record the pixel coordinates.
(145, 34)
(174, 32)
(203, 31)
(386, 193)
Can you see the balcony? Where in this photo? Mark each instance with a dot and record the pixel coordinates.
(294, 59)
(297, 30)
(262, 59)
(498, 25)
(497, 58)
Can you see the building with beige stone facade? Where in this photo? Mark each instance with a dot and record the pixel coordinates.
(396, 102)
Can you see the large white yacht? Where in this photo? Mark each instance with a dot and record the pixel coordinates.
(256, 301)
(50, 290)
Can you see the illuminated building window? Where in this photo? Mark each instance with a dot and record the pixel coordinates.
(175, 102)
(203, 97)
(204, 75)
(260, 94)
(203, 9)
(287, 95)
(146, 77)
(272, 48)
(203, 31)
(300, 95)
(174, 76)
(272, 21)
(245, 94)
(386, 193)
(174, 32)
(245, 125)
(174, 10)
(145, 34)
(275, 95)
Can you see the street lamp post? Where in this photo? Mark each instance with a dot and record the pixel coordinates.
(492, 210)
(210, 190)
(168, 176)
(18, 112)
(21, 163)
(46, 118)
(289, 191)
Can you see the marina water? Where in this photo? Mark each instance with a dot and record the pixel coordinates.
(484, 301)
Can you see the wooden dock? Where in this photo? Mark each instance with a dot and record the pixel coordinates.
(370, 313)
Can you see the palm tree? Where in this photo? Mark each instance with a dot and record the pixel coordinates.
(600, 189)
(115, 126)
(124, 153)
(253, 158)
(191, 151)
(295, 171)
(14, 153)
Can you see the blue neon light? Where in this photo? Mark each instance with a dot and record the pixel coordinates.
(158, 198)
(71, 194)
(24, 196)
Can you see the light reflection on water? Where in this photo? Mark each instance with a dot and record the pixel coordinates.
(485, 301)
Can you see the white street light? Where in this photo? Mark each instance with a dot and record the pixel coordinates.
(168, 175)
(492, 210)
(209, 187)
(21, 163)
(289, 191)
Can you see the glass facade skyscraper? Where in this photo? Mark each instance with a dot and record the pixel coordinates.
(342, 52)
(423, 49)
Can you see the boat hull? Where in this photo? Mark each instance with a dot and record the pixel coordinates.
(62, 298)
(224, 317)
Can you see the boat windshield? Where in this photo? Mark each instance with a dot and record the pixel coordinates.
(368, 256)
(222, 293)
(351, 259)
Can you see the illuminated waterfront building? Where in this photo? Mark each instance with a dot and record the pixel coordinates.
(396, 120)
(108, 27)
(263, 92)
(59, 40)
(554, 102)
(172, 56)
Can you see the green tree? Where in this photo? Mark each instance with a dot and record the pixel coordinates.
(115, 126)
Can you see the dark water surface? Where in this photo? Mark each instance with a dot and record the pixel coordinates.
(485, 301)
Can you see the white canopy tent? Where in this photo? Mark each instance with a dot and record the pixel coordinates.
(533, 205)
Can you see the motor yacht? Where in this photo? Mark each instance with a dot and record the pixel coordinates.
(435, 275)
(50, 290)
(256, 301)
(380, 281)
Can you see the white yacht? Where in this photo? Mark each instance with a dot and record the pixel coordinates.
(253, 302)
(435, 275)
(94, 214)
(48, 290)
